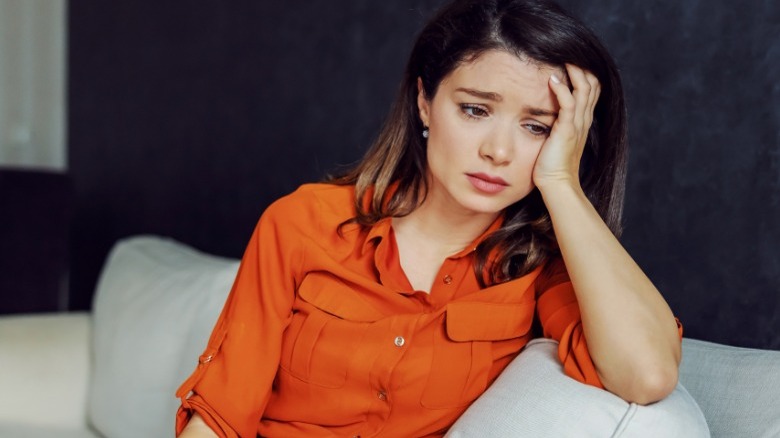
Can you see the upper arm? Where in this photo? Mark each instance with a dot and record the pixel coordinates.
(560, 318)
(232, 382)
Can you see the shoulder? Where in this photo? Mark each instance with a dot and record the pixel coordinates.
(313, 206)
(320, 198)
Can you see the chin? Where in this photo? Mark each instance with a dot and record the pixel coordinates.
(482, 205)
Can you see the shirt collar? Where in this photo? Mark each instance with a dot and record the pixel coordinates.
(379, 231)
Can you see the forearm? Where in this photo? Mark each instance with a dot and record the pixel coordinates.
(630, 330)
(197, 428)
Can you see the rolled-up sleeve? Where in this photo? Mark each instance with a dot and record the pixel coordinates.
(232, 382)
(559, 314)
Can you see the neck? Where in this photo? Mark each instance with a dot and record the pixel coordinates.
(438, 224)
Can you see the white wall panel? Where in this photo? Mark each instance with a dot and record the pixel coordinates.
(32, 84)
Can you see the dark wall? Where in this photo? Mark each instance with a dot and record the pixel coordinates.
(34, 217)
(188, 118)
(703, 200)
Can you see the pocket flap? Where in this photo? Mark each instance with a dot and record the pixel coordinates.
(332, 295)
(479, 321)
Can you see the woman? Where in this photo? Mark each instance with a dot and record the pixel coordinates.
(386, 301)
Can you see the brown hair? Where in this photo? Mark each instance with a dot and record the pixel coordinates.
(537, 30)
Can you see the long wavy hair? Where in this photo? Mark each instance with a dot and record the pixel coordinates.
(391, 179)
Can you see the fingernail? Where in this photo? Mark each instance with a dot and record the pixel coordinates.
(555, 78)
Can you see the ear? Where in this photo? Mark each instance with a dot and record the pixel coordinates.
(423, 104)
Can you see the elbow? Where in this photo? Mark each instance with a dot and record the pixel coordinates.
(651, 381)
(644, 384)
(654, 385)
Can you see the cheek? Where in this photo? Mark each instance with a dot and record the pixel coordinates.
(525, 162)
(443, 126)
(529, 152)
(447, 140)
(437, 156)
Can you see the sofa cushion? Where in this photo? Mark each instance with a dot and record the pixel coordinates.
(737, 388)
(44, 371)
(534, 398)
(156, 303)
(21, 430)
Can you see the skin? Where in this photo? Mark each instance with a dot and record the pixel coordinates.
(505, 117)
(197, 428)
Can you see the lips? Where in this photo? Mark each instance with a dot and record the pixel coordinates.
(487, 183)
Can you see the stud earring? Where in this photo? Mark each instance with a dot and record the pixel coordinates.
(425, 133)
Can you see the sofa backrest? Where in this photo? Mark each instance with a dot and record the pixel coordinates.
(156, 303)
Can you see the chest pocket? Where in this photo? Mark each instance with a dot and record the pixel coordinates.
(327, 324)
(463, 349)
(314, 346)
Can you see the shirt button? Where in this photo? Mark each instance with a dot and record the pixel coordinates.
(447, 279)
(399, 341)
(381, 395)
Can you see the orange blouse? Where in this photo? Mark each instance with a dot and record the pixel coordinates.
(323, 335)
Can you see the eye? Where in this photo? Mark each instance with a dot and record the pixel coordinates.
(474, 111)
(537, 129)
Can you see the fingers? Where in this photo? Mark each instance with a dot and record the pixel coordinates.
(593, 97)
(581, 91)
(577, 105)
(562, 151)
(586, 90)
(566, 101)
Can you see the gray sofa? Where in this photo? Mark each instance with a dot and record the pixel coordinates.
(113, 372)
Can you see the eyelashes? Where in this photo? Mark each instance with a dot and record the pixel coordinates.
(538, 130)
(473, 111)
(477, 112)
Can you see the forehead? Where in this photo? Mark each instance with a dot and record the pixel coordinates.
(504, 73)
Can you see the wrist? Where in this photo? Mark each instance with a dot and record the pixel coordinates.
(550, 186)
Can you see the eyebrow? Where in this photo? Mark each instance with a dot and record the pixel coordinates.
(495, 97)
(540, 112)
(482, 94)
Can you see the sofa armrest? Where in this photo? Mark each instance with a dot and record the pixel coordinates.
(45, 364)
(736, 388)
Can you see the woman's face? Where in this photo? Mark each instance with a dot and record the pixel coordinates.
(487, 123)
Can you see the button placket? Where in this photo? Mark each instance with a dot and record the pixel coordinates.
(448, 280)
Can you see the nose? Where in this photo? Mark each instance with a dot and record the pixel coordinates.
(498, 147)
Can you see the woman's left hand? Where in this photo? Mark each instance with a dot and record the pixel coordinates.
(559, 158)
